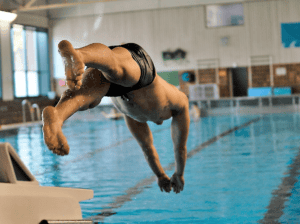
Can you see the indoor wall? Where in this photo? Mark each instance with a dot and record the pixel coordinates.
(158, 30)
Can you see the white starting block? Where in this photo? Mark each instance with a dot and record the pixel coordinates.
(22, 200)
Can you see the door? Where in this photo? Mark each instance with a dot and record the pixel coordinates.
(239, 81)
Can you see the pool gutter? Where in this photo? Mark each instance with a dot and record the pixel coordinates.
(6, 127)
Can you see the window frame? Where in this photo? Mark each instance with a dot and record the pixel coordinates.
(39, 71)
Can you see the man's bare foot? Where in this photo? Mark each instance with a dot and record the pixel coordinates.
(74, 66)
(53, 136)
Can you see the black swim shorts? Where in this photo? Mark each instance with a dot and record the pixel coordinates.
(147, 70)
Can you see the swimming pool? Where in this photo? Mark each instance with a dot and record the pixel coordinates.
(240, 169)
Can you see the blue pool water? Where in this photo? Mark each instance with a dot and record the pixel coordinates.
(240, 169)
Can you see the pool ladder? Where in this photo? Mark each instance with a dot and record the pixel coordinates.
(32, 108)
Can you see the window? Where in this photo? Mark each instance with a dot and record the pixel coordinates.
(0, 78)
(224, 15)
(30, 61)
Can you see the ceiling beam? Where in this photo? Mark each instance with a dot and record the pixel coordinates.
(28, 7)
(30, 3)
(53, 6)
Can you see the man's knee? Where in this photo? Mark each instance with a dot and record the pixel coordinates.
(94, 79)
(89, 105)
(115, 75)
(68, 94)
(94, 104)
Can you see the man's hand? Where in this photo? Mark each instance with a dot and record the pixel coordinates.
(164, 183)
(177, 183)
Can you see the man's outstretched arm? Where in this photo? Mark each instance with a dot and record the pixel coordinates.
(180, 131)
(143, 135)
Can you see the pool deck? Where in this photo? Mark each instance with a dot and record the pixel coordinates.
(6, 127)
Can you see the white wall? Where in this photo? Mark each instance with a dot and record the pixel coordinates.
(158, 30)
(6, 68)
(32, 20)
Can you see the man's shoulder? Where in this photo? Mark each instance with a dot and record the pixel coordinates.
(179, 100)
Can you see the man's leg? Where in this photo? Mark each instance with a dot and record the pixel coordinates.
(94, 87)
(117, 65)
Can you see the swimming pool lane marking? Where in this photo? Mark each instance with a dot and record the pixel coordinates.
(119, 201)
(90, 154)
(282, 193)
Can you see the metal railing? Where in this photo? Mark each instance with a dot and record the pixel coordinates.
(32, 108)
(36, 108)
(241, 105)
